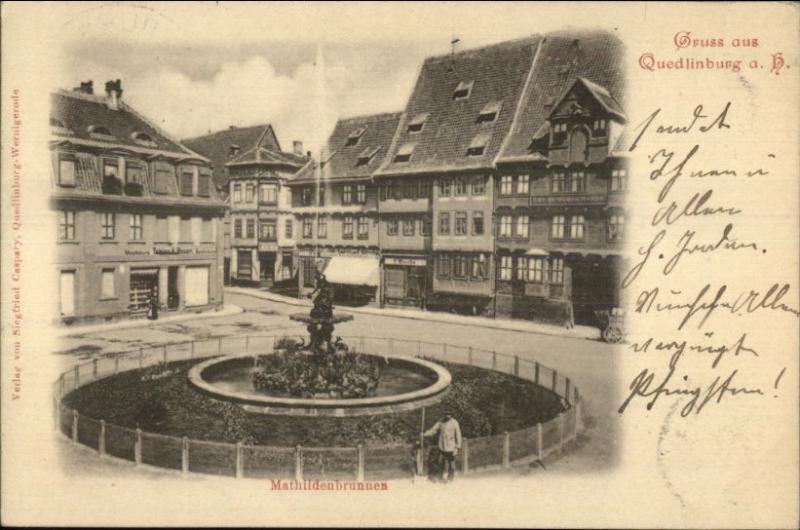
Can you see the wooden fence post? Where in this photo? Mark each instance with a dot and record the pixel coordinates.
(77, 376)
(360, 463)
(141, 357)
(469, 356)
(540, 440)
(506, 450)
(116, 364)
(536, 373)
(165, 353)
(555, 381)
(101, 442)
(94, 368)
(74, 426)
(465, 457)
(516, 366)
(494, 360)
(566, 390)
(137, 448)
(239, 460)
(298, 463)
(560, 432)
(184, 455)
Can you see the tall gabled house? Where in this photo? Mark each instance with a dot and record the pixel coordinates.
(138, 216)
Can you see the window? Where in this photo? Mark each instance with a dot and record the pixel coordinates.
(577, 181)
(136, 226)
(287, 265)
(522, 226)
(506, 182)
(463, 90)
(559, 180)
(355, 136)
(576, 227)
(307, 228)
(110, 169)
(490, 112)
(557, 270)
(361, 193)
(559, 132)
(578, 146)
(536, 268)
(347, 228)
(107, 288)
(237, 229)
(522, 268)
(208, 230)
(479, 185)
(363, 228)
(249, 192)
(347, 194)
(365, 157)
(616, 227)
(66, 172)
(268, 193)
(477, 223)
(461, 223)
(288, 229)
(268, 231)
(409, 227)
(66, 226)
(443, 266)
(425, 229)
(479, 267)
(322, 227)
(404, 153)
(423, 189)
(134, 173)
(599, 127)
(417, 123)
(461, 266)
(444, 187)
(251, 228)
(161, 181)
(506, 267)
(460, 187)
(557, 227)
(187, 182)
(444, 224)
(478, 144)
(143, 138)
(107, 226)
(306, 196)
(391, 227)
(237, 192)
(505, 226)
(523, 184)
(409, 189)
(619, 179)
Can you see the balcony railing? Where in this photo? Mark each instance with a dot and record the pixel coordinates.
(568, 198)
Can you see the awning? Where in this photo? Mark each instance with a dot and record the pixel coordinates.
(353, 270)
(536, 252)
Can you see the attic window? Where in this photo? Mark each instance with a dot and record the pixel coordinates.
(100, 133)
(490, 112)
(58, 127)
(355, 136)
(478, 144)
(416, 125)
(404, 153)
(233, 150)
(143, 139)
(366, 156)
(463, 90)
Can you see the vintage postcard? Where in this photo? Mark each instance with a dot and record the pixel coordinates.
(400, 264)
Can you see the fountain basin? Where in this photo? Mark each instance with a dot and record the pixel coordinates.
(406, 384)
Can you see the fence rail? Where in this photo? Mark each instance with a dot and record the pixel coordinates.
(368, 462)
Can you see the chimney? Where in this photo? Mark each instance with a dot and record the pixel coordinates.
(114, 93)
(297, 147)
(87, 87)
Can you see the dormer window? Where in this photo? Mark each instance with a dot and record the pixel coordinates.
(366, 156)
(559, 132)
(404, 153)
(478, 144)
(143, 139)
(490, 112)
(66, 171)
(57, 127)
(99, 132)
(233, 150)
(355, 136)
(600, 127)
(462, 91)
(416, 124)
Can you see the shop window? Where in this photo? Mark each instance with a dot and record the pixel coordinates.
(287, 265)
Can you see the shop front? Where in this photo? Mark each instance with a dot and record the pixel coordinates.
(406, 281)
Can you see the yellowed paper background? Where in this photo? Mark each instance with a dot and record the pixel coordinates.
(733, 465)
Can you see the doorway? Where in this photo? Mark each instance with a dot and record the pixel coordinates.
(173, 295)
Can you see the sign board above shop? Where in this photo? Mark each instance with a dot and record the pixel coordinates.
(406, 262)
